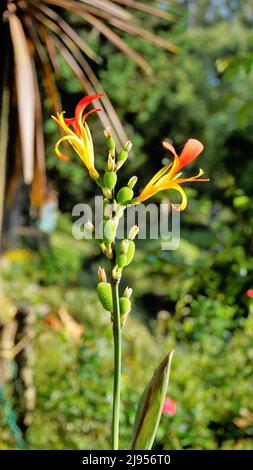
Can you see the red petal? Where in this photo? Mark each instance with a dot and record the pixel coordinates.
(191, 150)
(94, 110)
(69, 121)
(72, 122)
(83, 103)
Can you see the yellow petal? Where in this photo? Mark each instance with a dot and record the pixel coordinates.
(74, 142)
(192, 179)
(88, 145)
(178, 188)
(171, 173)
(145, 194)
(61, 122)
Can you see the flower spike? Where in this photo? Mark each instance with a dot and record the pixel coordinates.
(79, 137)
(169, 177)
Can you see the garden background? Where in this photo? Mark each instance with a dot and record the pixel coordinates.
(196, 299)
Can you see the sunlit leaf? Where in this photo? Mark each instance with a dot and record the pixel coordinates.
(150, 407)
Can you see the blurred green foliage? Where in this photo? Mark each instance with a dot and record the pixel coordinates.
(193, 298)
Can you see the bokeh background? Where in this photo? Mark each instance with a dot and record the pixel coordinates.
(56, 341)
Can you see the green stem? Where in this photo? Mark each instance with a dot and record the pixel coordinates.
(117, 361)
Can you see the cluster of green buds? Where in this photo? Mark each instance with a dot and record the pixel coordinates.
(104, 291)
(120, 253)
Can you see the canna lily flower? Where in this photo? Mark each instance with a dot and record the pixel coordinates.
(79, 136)
(169, 176)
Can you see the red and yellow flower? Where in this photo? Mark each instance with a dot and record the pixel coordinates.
(79, 137)
(169, 176)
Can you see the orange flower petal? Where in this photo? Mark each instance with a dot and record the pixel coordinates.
(170, 147)
(191, 150)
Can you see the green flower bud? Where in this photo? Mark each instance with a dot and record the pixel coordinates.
(127, 292)
(132, 182)
(133, 232)
(125, 195)
(89, 229)
(124, 305)
(122, 155)
(108, 230)
(104, 292)
(107, 133)
(111, 144)
(130, 251)
(108, 211)
(128, 145)
(102, 274)
(119, 210)
(122, 260)
(123, 246)
(110, 163)
(110, 179)
(107, 193)
(116, 273)
(121, 252)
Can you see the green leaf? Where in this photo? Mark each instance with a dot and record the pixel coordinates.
(150, 407)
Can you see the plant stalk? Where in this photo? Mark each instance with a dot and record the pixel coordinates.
(117, 361)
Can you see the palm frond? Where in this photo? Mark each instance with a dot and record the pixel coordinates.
(25, 93)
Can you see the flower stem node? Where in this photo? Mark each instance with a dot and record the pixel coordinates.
(110, 163)
(124, 305)
(125, 195)
(106, 202)
(104, 292)
(107, 193)
(116, 273)
(110, 179)
(108, 252)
